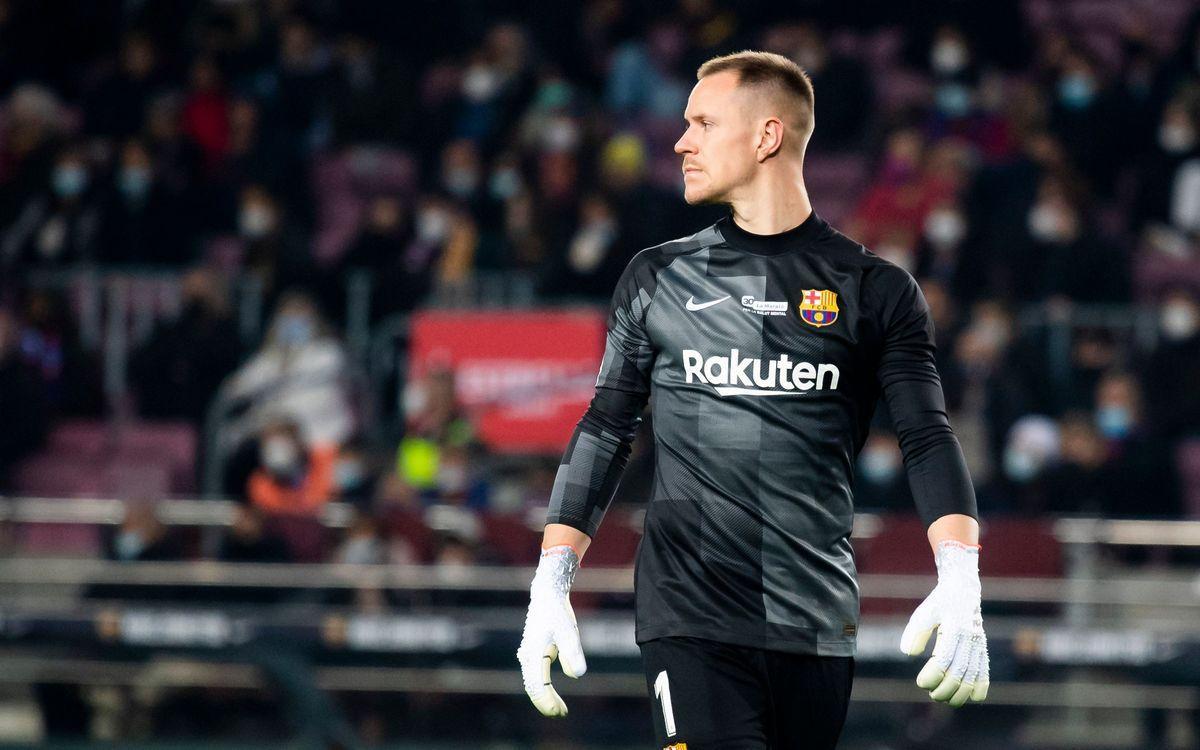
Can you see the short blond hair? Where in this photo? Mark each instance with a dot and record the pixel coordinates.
(769, 71)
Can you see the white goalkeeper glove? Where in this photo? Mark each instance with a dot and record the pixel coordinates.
(958, 669)
(550, 630)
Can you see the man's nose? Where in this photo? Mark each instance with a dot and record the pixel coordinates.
(683, 146)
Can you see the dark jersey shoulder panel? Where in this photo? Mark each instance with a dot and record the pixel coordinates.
(763, 358)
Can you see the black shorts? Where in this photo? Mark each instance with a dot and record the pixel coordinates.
(716, 696)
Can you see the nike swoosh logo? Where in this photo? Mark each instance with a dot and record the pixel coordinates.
(694, 306)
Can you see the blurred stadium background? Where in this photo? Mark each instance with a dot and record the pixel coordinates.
(299, 302)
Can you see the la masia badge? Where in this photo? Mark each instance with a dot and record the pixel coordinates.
(818, 307)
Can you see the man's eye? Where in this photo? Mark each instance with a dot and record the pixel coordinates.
(705, 124)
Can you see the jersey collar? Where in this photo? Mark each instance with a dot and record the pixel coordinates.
(771, 244)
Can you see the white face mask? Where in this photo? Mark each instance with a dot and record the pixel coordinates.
(256, 222)
(1047, 224)
(560, 134)
(1178, 321)
(1021, 466)
(280, 456)
(480, 83)
(1176, 139)
(878, 465)
(948, 57)
(433, 225)
(945, 228)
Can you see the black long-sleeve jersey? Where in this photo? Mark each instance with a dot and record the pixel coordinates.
(763, 357)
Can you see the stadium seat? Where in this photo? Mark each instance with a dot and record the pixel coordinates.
(85, 457)
(510, 538)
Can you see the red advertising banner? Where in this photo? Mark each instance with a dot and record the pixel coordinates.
(524, 377)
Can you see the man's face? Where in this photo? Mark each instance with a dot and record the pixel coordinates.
(718, 147)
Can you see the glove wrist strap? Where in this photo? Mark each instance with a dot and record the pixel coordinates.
(556, 570)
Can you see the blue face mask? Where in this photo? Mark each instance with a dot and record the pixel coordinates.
(504, 184)
(1020, 466)
(295, 330)
(69, 181)
(1114, 422)
(1076, 91)
(128, 545)
(953, 99)
(134, 182)
(348, 474)
(878, 467)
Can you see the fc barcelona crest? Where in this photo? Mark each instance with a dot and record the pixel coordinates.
(818, 307)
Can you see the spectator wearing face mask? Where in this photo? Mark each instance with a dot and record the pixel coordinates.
(1145, 474)
(275, 250)
(1169, 189)
(292, 478)
(442, 250)
(1031, 450)
(996, 369)
(353, 478)
(1083, 481)
(943, 233)
(879, 481)
(1085, 115)
(1170, 373)
(142, 222)
(143, 537)
(59, 223)
(914, 178)
(996, 209)
(1065, 257)
(299, 374)
(965, 103)
(496, 85)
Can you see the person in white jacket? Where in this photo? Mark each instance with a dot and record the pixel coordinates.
(300, 374)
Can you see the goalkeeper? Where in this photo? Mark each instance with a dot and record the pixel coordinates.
(764, 343)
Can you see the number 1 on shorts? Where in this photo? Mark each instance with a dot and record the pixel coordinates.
(662, 691)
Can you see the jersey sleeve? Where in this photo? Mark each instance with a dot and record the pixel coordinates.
(933, 458)
(598, 451)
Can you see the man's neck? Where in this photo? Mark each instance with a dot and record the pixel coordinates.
(774, 203)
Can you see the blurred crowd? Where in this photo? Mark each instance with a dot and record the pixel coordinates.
(1040, 177)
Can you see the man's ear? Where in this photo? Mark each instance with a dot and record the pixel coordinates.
(770, 139)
